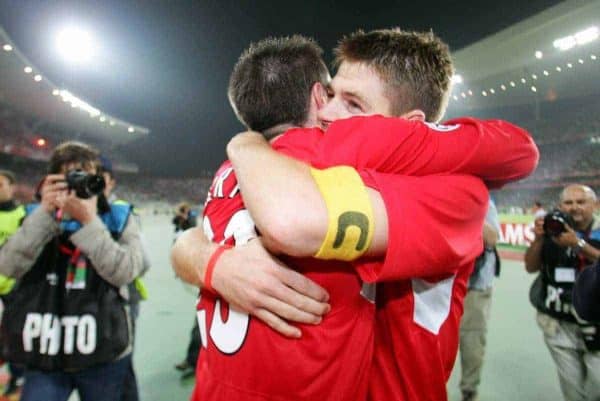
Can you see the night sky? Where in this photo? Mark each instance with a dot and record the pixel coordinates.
(165, 64)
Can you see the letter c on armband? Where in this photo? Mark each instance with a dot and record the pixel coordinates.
(350, 214)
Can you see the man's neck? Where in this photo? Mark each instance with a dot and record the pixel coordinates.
(275, 131)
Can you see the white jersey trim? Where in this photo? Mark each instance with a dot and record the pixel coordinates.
(432, 303)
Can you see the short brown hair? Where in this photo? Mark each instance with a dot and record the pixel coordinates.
(416, 66)
(73, 152)
(271, 82)
(10, 176)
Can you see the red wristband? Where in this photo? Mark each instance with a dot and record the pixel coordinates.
(210, 267)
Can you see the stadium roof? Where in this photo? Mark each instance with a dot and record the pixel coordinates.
(528, 55)
(26, 88)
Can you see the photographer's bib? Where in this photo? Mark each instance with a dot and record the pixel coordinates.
(62, 315)
(552, 291)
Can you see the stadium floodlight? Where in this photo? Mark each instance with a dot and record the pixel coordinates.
(503, 87)
(78, 103)
(457, 79)
(75, 45)
(130, 129)
(533, 76)
(533, 89)
(463, 94)
(41, 142)
(558, 69)
(546, 73)
(593, 56)
(512, 83)
(484, 93)
(112, 123)
(580, 38)
(492, 91)
(102, 119)
(587, 35)
(539, 54)
(569, 65)
(7, 47)
(565, 43)
(580, 61)
(55, 92)
(455, 97)
(28, 70)
(37, 78)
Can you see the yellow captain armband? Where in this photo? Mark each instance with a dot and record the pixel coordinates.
(350, 214)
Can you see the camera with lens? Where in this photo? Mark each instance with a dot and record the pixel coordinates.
(555, 221)
(84, 184)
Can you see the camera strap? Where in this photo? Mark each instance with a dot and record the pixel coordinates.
(76, 268)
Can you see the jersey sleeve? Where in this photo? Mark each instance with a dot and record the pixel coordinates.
(435, 224)
(225, 219)
(495, 151)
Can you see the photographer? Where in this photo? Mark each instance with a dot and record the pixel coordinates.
(11, 215)
(184, 218)
(567, 240)
(67, 318)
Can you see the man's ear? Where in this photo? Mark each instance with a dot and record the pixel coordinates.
(414, 115)
(319, 95)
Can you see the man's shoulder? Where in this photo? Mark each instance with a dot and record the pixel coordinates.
(299, 143)
(595, 231)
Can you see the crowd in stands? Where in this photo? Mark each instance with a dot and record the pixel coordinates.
(139, 189)
(26, 144)
(569, 143)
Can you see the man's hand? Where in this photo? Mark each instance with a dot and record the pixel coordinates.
(538, 228)
(253, 280)
(566, 239)
(53, 188)
(82, 210)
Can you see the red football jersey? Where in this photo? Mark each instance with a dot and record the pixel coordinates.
(399, 146)
(430, 255)
(419, 311)
(435, 226)
(244, 359)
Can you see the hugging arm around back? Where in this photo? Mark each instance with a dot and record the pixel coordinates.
(298, 210)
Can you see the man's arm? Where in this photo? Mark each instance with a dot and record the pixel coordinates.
(435, 225)
(490, 235)
(250, 278)
(118, 262)
(590, 253)
(491, 226)
(533, 255)
(569, 238)
(457, 204)
(493, 150)
(21, 250)
(275, 207)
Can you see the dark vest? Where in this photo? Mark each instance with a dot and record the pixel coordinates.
(62, 315)
(552, 291)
